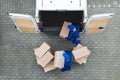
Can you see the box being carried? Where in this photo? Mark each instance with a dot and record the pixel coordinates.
(59, 59)
(65, 31)
(80, 54)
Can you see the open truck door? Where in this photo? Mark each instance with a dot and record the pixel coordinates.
(24, 23)
(97, 23)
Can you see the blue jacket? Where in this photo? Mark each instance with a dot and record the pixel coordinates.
(73, 35)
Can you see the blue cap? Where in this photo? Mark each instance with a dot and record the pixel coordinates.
(71, 27)
(66, 56)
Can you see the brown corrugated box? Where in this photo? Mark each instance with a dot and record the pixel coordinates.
(80, 54)
(59, 59)
(78, 46)
(64, 31)
(49, 66)
(45, 59)
(82, 60)
(39, 52)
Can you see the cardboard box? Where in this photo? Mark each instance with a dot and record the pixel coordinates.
(59, 59)
(82, 60)
(44, 60)
(78, 46)
(39, 52)
(49, 66)
(80, 52)
(64, 31)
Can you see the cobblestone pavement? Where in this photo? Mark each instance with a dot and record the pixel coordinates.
(17, 61)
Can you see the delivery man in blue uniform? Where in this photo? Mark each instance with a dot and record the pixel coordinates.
(74, 33)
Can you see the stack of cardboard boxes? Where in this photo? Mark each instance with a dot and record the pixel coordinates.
(44, 57)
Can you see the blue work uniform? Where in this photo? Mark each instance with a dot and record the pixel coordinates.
(73, 35)
(67, 61)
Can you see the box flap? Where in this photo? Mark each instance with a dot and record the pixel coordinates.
(81, 52)
(39, 52)
(82, 60)
(49, 66)
(78, 46)
(44, 60)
